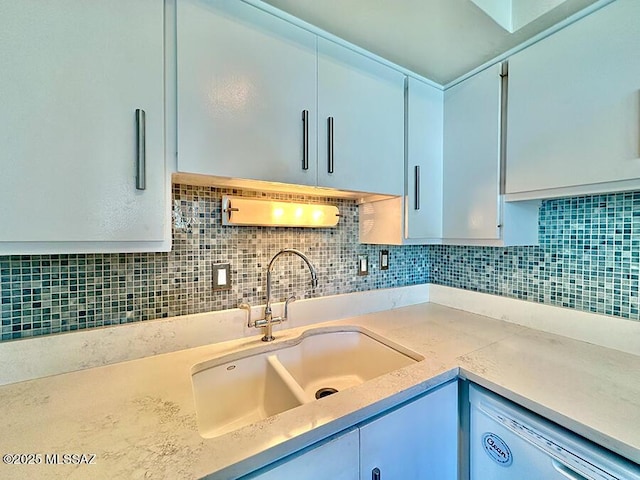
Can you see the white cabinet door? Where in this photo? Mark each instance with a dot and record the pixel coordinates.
(474, 210)
(73, 74)
(336, 459)
(472, 157)
(416, 217)
(424, 124)
(244, 79)
(417, 441)
(365, 102)
(574, 107)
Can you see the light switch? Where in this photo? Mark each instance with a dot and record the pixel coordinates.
(221, 276)
(363, 265)
(384, 259)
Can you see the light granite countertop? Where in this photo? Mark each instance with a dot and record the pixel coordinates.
(138, 417)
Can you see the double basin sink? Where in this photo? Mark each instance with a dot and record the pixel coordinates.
(240, 389)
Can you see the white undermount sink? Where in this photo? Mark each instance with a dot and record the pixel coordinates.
(237, 390)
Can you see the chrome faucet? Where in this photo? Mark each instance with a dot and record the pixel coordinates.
(268, 321)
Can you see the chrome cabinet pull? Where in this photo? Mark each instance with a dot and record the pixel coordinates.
(305, 139)
(504, 103)
(375, 474)
(141, 154)
(417, 188)
(330, 141)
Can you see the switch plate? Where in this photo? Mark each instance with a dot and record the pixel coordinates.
(363, 265)
(384, 259)
(221, 276)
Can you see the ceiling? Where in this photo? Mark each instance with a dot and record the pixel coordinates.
(438, 39)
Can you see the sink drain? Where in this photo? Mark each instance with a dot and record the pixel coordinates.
(325, 392)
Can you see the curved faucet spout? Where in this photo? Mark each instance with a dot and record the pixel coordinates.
(312, 269)
(267, 309)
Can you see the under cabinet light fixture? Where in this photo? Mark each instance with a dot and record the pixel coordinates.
(270, 213)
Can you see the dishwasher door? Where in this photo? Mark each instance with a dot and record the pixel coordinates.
(508, 442)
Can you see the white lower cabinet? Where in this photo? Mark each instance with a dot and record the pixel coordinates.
(336, 459)
(416, 441)
(419, 440)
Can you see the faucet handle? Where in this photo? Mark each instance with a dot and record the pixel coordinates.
(292, 298)
(247, 307)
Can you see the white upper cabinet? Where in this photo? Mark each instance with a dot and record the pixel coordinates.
(574, 108)
(73, 75)
(415, 218)
(360, 122)
(256, 95)
(424, 124)
(472, 157)
(474, 211)
(245, 77)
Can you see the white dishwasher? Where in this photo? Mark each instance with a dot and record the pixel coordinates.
(508, 442)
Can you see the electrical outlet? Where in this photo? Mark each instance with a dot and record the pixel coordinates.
(363, 265)
(384, 259)
(221, 276)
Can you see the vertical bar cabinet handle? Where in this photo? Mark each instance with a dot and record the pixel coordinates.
(375, 474)
(417, 188)
(141, 154)
(305, 139)
(330, 146)
(504, 100)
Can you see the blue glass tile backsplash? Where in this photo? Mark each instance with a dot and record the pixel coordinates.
(588, 259)
(47, 294)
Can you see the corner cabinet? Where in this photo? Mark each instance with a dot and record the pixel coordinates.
(416, 440)
(73, 75)
(574, 108)
(416, 217)
(246, 86)
(474, 210)
(360, 122)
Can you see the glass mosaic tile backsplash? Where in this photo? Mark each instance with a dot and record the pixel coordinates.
(47, 294)
(588, 259)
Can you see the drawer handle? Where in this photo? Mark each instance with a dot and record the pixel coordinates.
(141, 154)
(305, 139)
(330, 146)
